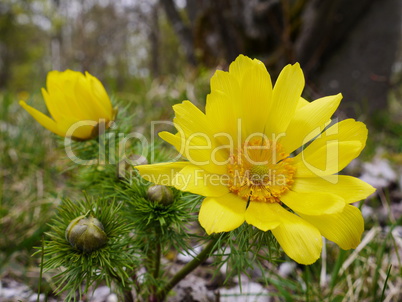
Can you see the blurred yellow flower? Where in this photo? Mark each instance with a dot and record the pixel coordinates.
(240, 157)
(78, 105)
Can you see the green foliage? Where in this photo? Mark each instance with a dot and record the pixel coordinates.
(144, 232)
(30, 182)
(111, 263)
(154, 228)
(245, 250)
(166, 224)
(360, 275)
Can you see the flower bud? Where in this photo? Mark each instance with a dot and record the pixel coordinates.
(86, 233)
(160, 194)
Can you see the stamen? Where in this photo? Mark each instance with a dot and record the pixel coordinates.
(260, 171)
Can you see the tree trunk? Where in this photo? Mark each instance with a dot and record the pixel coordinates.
(325, 26)
(154, 39)
(182, 31)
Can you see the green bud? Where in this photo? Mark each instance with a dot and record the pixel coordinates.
(86, 233)
(160, 194)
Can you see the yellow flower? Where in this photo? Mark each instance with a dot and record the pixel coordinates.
(78, 104)
(242, 156)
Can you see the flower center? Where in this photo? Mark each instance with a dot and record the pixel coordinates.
(260, 171)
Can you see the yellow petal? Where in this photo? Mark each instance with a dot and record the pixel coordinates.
(309, 121)
(254, 94)
(261, 215)
(189, 120)
(42, 119)
(55, 96)
(201, 147)
(222, 214)
(88, 103)
(223, 104)
(300, 240)
(100, 95)
(301, 103)
(351, 189)
(161, 173)
(78, 129)
(222, 111)
(344, 131)
(239, 67)
(256, 91)
(195, 180)
(176, 140)
(313, 203)
(200, 151)
(61, 90)
(285, 97)
(78, 97)
(226, 83)
(326, 160)
(55, 111)
(333, 150)
(345, 228)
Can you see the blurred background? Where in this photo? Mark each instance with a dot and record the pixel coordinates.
(343, 46)
(153, 54)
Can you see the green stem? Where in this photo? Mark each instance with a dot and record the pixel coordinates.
(155, 266)
(127, 294)
(188, 268)
(157, 259)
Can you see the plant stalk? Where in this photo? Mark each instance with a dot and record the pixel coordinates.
(188, 268)
(127, 294)
(157, 260)
(156, 269)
